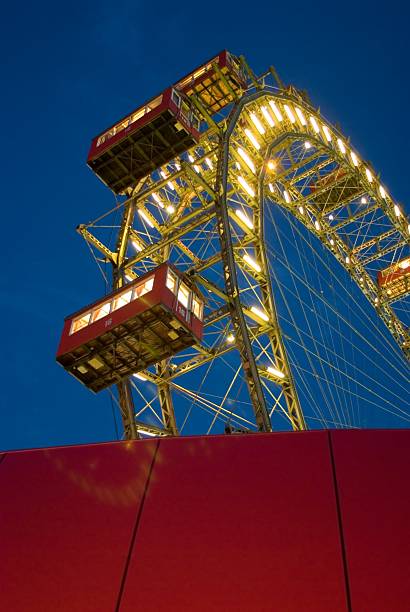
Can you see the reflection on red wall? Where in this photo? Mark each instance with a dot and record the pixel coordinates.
(310, 521)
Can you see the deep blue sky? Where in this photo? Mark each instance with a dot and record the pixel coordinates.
(71, 70)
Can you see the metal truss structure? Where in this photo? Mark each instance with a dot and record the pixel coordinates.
(205, 212)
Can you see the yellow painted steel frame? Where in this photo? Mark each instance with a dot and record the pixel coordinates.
(208, 207)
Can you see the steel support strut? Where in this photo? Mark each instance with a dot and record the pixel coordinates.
(254, 384)
(127, 410)
(240, 328)
(124, 388)
(165, 399)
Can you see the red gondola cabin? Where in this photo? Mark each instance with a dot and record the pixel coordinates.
(165, 127)
(334, 188)
(144, 140)
(215, 83)
(395, 279)
(144, 322)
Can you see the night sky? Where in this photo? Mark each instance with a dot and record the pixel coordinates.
(69, 71)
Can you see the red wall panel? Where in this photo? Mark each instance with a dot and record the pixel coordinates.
(66, 520)
(239, 523)
(372, 470)
(227, 523)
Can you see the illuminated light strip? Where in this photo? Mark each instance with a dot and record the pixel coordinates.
(382, 192)
(252, 263)
(136, 246)
(369, 175)
(314, 124)
(197, 169)
(246, 159)
(144, 216)
(259, 313)
(230, 339)
(300, 115)
(257, 124)
(354, 157)
(347, 260)
(268, 117)
(327, 133)
(363, 200)
(170, 209)
(271, 188)
(286, 196)
(209, 163)
(341, 146)
(252, 138)
(158, 200)
(170, 183)
(308, 145)
(246, 186)
(276, 111)
(289, 113)
(397, 211)
(275, 372)
(246, 220)
(147, 433)
(140, 377)
(317, 225)
(301, 210)
(191, 158)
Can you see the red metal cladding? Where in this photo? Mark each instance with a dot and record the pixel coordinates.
(209, 523)
(372, 470)
(67, 517)
(239, 523)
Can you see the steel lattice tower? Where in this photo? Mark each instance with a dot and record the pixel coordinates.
(204, 210)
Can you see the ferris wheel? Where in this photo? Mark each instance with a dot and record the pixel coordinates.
(258, 272)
